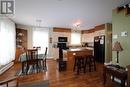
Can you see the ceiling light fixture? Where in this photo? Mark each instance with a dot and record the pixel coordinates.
(76, 26)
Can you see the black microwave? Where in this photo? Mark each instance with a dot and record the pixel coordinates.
(62, 39)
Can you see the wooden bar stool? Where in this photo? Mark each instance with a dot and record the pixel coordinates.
(79, 64)
(90, 63)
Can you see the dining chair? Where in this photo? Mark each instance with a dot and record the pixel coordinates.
(32, 59)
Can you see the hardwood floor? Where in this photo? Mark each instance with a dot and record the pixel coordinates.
(61, 79)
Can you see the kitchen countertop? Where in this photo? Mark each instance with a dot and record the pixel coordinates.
(69, 54)
(79, 49)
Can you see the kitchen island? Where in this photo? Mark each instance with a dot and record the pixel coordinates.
(69, 54)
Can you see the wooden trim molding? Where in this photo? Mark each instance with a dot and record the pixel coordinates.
(68, 30)
(88, 31)
(100, 27)
(97, 28)
(57, 29)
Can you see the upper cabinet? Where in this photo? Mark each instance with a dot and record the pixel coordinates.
(88, 35)
(21, 38)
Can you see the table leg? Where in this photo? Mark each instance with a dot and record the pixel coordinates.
(123, 83)
(22, 67)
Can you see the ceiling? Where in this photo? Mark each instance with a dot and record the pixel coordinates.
(65, 13)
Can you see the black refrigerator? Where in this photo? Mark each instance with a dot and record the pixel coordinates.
(99, 48)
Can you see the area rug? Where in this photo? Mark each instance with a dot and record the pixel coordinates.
(44, 83)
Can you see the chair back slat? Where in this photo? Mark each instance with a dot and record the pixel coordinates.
(46, 51)
(45, 54)
(44, 59)
(32, 54)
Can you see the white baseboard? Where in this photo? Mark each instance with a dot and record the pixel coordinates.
(6, 67)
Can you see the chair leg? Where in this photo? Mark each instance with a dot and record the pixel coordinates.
(74, 65)
(37, 67)
(94, 66)
(92, 63)
(84, 65)
(89, 65)
(22, 67)
(43, 64)
(78, 67)
(27, 68)
(33, 68)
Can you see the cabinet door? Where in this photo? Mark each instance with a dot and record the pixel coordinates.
(56, 53)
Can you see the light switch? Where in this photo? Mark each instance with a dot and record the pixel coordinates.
(115, 36)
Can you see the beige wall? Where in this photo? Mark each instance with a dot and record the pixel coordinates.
(121, 23)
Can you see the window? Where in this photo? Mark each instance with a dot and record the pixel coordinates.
(76, 37)
(7, 41)
(41, 38)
